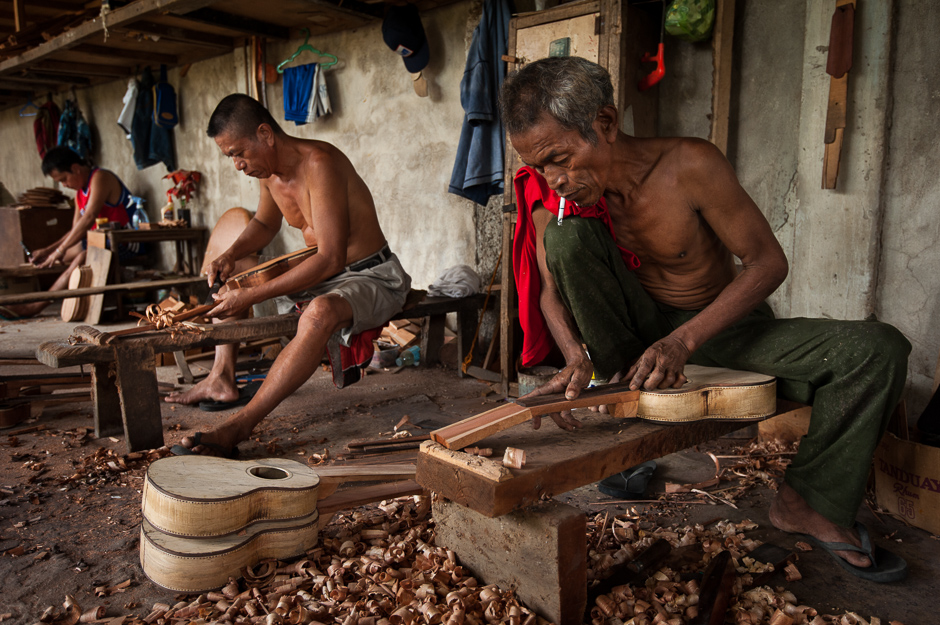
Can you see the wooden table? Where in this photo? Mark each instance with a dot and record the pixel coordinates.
(189, 247)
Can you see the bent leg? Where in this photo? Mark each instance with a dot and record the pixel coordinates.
(617, 319)
(853, 373)
(294, 365)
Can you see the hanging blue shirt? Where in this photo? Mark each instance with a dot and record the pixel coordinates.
(478, 168)
(298, 87)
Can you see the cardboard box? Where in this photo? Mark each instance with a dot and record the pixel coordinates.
(907, 481)
(35, 227)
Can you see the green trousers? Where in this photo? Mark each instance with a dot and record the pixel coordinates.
(852, 372)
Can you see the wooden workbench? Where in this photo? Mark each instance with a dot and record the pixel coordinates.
(503, 522)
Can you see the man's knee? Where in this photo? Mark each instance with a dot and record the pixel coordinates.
(324, 314)
(879, 343)
(567, 243)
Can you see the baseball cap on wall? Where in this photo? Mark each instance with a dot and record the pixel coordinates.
(404, 34)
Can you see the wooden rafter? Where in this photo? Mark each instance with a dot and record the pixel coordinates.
(127, 54)
(237, 23)
(186, 35)
(133, 12)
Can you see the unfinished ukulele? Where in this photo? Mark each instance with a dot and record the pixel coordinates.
(711, 393)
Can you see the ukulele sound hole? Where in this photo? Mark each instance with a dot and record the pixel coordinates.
(269, 473)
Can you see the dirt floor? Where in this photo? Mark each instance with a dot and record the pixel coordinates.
(70, 504)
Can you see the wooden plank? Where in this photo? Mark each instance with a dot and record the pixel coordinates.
(467, 432)
(237, 23)
(126, 54)
(19, 15)
(22, 298)
(99, 260)
(485, 468)
(561, 12)
(332, 476)
(352, 497)
(60, 354)
(136, 379)
(118, 17)
(183, 35)
(722, 43)
(556, 461)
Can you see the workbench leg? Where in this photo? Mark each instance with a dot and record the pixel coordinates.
(180, 357)
(432, 339)
(541, 551)
(467, 317)
(140, 403)
(104, 396)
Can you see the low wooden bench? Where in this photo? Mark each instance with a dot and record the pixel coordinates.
(124, 379)
(504, 523)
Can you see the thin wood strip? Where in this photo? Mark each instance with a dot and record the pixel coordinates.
(23, 298)
(599, 395)
(352, 497)
(384, 442)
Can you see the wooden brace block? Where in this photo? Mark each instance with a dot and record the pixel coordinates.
(477, 465)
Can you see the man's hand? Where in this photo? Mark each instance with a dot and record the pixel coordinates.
(47, 257)
(660, 366)
(572, 379)
(232, 302)
(221, 268)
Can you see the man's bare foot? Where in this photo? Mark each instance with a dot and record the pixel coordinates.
(213, 388)
(790, 512)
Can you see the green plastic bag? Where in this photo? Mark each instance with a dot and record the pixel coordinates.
(690, 20)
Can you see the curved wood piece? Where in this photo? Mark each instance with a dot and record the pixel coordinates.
(270, 269)
(712, 393)
(201, 564)
(74, 308)
(201, 496)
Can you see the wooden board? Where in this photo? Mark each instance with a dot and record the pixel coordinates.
(556, 461)
(75, 308)
(712, 393)
(100, 261)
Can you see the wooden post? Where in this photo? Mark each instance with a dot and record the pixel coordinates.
(466, 326)
(104, 395)
(722, 42)
(137, 387)
(432, 339)
(19, 14)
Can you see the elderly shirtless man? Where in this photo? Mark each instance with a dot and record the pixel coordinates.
(353, 281)
(677, 205)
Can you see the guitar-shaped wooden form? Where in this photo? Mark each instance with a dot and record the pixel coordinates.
(205, 518)
(710, 393)
(270, 269)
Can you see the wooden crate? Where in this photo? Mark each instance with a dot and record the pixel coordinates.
(35, 227)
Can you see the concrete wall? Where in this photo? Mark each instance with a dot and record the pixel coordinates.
(867, 247)
(403, 146)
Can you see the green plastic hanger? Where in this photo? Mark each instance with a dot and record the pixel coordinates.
(305, 46)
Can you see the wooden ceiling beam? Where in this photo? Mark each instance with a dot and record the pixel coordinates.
(85, 69)
(352, 8)
(135, 11)
(236, 23)
(185, 35)
(46, 7)
(49, 79)
(128, 54)
(14, 93)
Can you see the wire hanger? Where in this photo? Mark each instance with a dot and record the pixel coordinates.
(23, 112)
(305, 46)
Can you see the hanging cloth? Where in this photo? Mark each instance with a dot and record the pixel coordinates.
(478, 168)
(46, 127)
(126, 118)
(74, 131)
(152, 143)
(299, 85)
(164, 102)
(319, 97)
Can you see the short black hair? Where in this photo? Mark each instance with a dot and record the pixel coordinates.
(241, 114)
(60, 158)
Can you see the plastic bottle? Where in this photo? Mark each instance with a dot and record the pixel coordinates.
(411, 356)
(140, 215)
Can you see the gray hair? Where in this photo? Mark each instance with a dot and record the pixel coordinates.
(570, 89)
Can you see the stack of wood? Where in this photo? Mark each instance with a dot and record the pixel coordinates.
(402, 332)
(42, 197)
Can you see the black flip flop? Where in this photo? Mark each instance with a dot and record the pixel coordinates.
(630, 483)
(245, 394)
(885, 566)
(221, 452)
